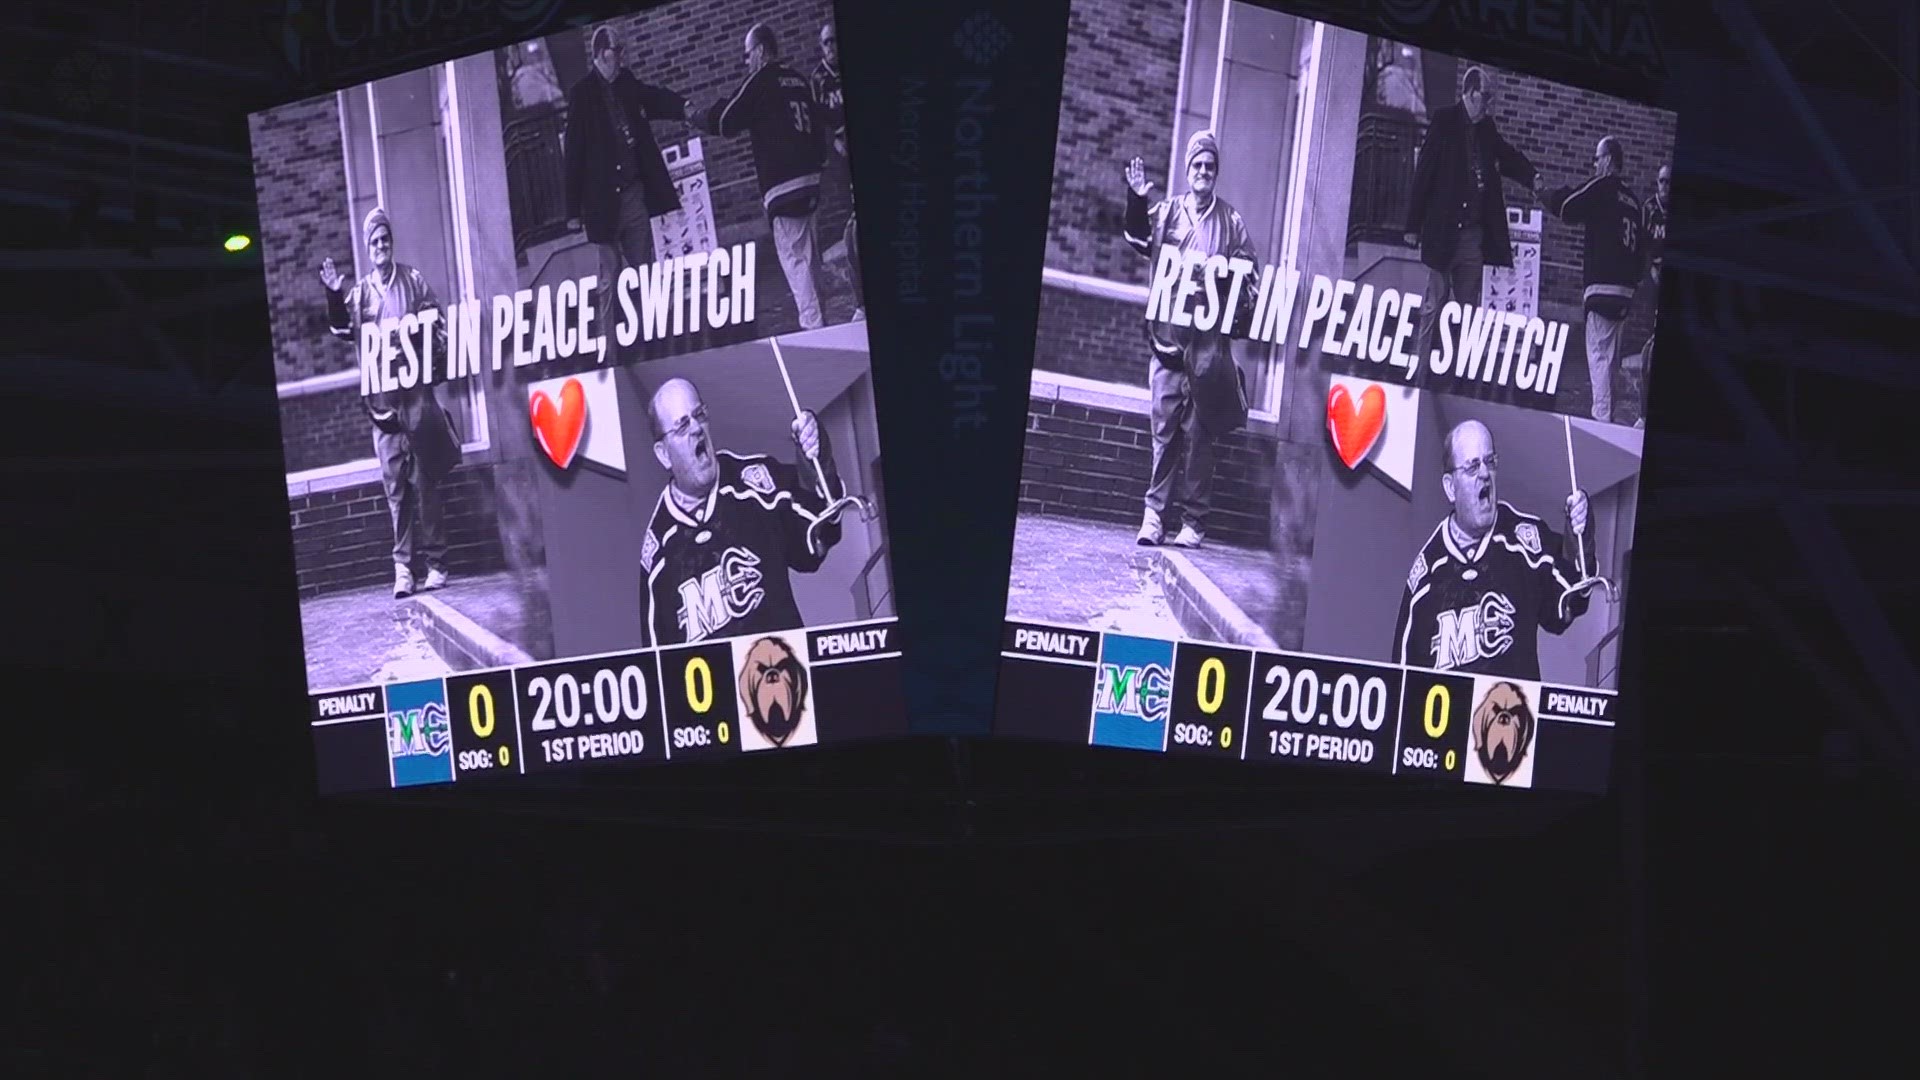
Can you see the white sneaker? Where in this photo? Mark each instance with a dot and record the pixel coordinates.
(436, 578)
(1189, 537)
(1150, 530)
(402, 582)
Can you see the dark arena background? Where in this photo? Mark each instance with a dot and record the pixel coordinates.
(1740, 901)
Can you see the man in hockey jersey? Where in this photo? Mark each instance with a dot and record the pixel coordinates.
(1490, 577)
(1609, 213)
(1653, 229)
(775, 106)
(831, 98)
(412, 435)
(729, 527)
(1198, 395)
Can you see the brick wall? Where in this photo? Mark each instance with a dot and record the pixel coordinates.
(300, 178)
(697, 49)
(1122, 83)
(1557, 126)
(1091, 337)
(1093, 463)
(343, 539)
(323, 429)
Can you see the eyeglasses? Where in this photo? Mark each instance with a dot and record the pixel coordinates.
(1490, 463)
(680, 430)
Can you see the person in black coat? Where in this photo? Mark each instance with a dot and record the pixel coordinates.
(1458, 211)
(617, 180)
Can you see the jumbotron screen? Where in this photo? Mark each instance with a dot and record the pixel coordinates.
(583, 467)
(1335, 427)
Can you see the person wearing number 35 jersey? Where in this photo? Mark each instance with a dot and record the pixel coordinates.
(776, 107)
(1490, 578)
(729, 527)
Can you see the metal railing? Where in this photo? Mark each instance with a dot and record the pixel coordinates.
(1383, 174)
(536, 177)
(1596, 659)
(864, 602)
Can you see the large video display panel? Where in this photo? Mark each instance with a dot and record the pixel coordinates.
(1335, 427)
(583, 466)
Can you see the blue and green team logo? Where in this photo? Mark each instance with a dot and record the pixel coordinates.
(1132, 693)
(419, 739)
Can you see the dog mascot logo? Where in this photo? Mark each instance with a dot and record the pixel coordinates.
(1502, 731)
(773, 689)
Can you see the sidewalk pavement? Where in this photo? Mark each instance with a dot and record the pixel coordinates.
(1093, 574)
(366, 636)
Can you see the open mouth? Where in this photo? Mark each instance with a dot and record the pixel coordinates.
(1484, 496)
(702, 452)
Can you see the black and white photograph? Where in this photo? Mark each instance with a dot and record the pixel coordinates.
(1153, 458)
(1519, 194)
(533, 511)
(1503, 553)
(1175, 479)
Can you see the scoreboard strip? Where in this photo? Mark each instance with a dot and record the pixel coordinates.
(646, 706)
(1203, 699)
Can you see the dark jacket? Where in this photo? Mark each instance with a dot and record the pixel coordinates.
(598, 167)
(400, 411)
(777, 109)
(1443, 183)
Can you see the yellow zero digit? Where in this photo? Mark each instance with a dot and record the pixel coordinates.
(1226, 737)
(506, 755)
(480, 700)
(724, 733)
(1435, 719)
(1449, 761)
(699, 685)
(1210, 699)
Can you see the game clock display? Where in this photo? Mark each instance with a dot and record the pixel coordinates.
(710, 701)
(1209, 700)
(1334, 437)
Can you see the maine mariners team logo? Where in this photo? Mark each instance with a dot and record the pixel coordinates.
(758, 478)
(1529, 536)
(421, 731)
(773, 689)
(1502, 731)
(721, 594)
(1476, 633)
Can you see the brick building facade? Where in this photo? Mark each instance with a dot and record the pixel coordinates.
(1086, 455)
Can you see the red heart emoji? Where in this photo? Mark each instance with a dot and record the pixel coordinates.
(1355, 427)
(558, 427)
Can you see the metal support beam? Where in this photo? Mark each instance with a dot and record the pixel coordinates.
(1796, 268)
(248, 289)
(121, 214)
(197, 257)
(144, 322)
(176, 60)
(106, 385)
(1723, 223)
(1844, 358)
(1910, 115)
(1825, 555)
(101, 176)
(1746, 31)
(114, 135)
